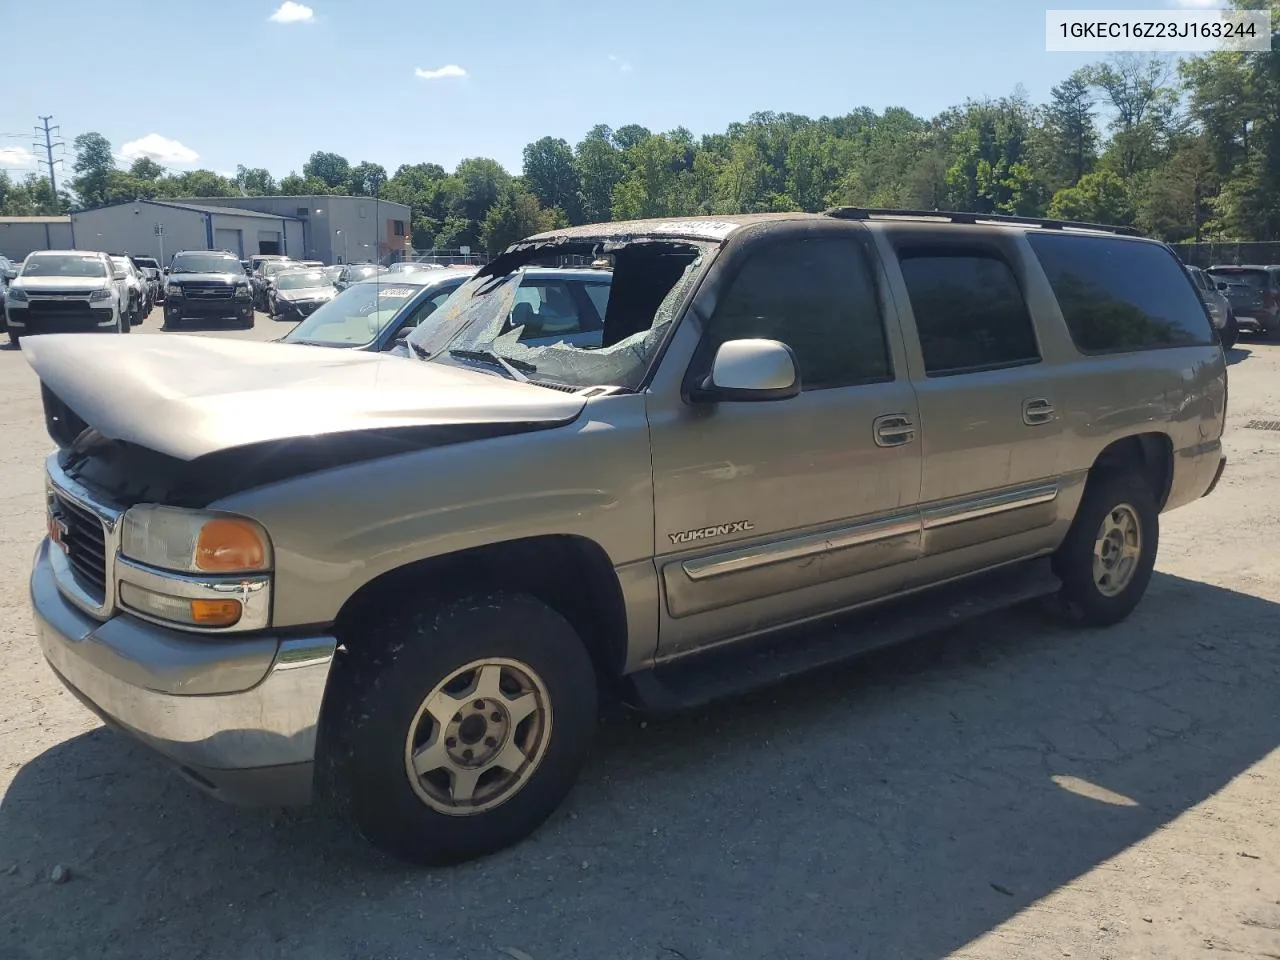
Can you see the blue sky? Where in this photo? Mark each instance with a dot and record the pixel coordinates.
(213, 83)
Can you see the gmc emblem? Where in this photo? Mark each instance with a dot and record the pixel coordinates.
(57, 532)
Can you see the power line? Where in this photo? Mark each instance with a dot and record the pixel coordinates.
(48, 146)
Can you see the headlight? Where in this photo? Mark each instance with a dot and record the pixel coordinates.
(193, 541)
(172, 290)
(242, 291)
(16, 295)
(102, 294)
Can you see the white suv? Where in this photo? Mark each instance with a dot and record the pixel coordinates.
(59, 291)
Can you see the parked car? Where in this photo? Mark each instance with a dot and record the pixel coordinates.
(314, 264)
(375, 315)
(207, 286)
(154, 275)
(355, 272)
(412, 266)
(62, 291)
(258, 259)
(139, 299)
(334, 272)
(1254, 295)
(261, 279)
(408, 583)
(296, 294)
(1219, 307)
(8, 271)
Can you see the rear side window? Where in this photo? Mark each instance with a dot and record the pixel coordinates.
(969, 310)
(819, 297)
(1121, 295)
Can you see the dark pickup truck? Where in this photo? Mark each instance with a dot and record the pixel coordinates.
(207, 287)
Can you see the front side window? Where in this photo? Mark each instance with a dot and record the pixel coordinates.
(818, 296)
(546, 308)
(1119, 295)
(969, 311)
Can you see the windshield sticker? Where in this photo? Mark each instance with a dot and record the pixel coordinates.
(396, 292)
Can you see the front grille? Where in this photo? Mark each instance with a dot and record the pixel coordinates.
(85, 543)
(208, 291)
(61, 310)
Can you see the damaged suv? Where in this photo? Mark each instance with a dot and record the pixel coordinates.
(405, 583)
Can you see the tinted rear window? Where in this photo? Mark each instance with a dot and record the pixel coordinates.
(1252, 278)
(1118, 295)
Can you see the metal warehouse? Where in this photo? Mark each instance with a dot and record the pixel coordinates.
(20, 235)
(160, 228)
(336, 229)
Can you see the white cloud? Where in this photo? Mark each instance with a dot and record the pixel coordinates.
(623, 65)
(449, 70)
(160, 149)
(18, 158)
(291, 12)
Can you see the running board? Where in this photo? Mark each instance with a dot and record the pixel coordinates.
(743, 667)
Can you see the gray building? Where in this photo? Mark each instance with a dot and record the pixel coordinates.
(160, 228)
(336, 229)
(20, 235)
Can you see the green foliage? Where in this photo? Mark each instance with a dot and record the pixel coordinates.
(514, 215)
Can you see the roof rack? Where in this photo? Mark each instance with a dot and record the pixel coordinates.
(875, 213)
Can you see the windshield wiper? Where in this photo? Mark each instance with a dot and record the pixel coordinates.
(516, 368)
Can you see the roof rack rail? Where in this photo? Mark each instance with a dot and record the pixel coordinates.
(877, 213)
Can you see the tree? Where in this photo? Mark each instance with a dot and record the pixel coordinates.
(1070, 129)
(366, 179)
(600, 167)
(334, 171)
(93, 165)
(624, 138)
(255, 181)
(1138, 90)
(1099, 197)
(515, 214)
(144, 168)
(552, 177)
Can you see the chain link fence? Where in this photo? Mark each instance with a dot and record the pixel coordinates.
(445, 258)
(1233, 254)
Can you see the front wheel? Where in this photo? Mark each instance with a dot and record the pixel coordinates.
(457, 730)
(125, 323)
(1107, 558)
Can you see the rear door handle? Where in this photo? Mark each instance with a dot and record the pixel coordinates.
(1037, 411)
(893, 430)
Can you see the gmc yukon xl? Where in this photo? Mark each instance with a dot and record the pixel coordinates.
(404, 584)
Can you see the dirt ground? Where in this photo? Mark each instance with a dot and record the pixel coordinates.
(1013, 788)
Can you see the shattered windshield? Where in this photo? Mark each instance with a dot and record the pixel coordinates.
(572, 327)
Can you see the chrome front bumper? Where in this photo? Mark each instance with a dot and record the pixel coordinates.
(237, 715)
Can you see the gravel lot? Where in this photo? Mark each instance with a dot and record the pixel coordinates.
(1010, 789)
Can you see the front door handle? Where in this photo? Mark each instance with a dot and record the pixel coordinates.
(893, 430)
(1037, 411)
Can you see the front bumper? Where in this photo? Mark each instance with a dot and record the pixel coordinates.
(248, 736)
(297, 309)
(186, 308)
(67, 317)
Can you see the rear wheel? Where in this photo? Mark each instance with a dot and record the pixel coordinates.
(1230, 332)
(1107, 558)
(124, 323)
(456, 730)
(15, 338)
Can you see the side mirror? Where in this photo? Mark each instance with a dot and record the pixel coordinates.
(1221, 285)
(165, 271)
(746, 370)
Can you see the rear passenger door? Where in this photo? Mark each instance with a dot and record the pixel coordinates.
(769, 512)
(989, 402)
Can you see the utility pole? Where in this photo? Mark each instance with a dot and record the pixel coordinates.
(48, 146)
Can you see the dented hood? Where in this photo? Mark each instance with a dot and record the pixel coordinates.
(188, 396)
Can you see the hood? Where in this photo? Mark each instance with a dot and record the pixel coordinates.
(208, 278)
(60, 284)
(188, 396)
(306, 293)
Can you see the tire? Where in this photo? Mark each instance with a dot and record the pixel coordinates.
(125, 324)
(1230, 332)
(377, 718)
(1108, 498)
(15, 338)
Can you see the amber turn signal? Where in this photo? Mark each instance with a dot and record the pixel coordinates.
(215, 613)
(229, 545)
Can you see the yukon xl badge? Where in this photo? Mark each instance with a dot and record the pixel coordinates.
(706, 533)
